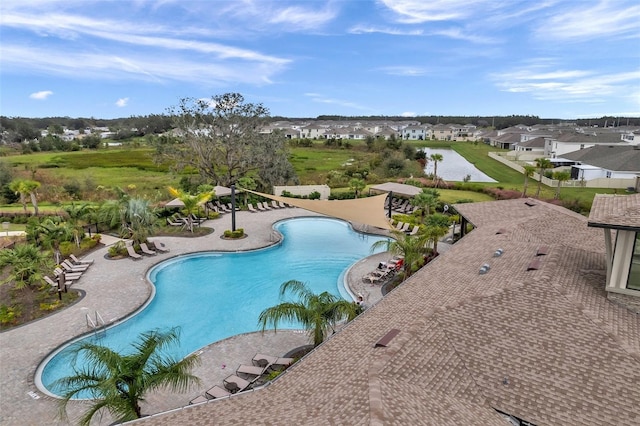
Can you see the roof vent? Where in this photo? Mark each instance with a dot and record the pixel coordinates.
(386, 339)
(484, 269)
(498, 252)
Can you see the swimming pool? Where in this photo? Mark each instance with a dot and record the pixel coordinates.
(215, 295)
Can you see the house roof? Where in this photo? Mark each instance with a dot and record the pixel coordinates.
(615, 211)
(533, 143)
(625, 158)
(543, 345)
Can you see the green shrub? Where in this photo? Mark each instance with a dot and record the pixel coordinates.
(9, 314)
(50, 306)
(238, 233)
(118, 249)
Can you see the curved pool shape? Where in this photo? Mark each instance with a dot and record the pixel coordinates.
(215, 295)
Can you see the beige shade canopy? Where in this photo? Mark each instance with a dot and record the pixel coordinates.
(176, 202)
(398, 189)
(221, 191)
(368, 210)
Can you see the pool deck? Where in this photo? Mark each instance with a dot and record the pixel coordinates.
(115, 288)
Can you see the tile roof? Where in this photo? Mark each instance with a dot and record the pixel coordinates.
(611, 211)
(545, 345)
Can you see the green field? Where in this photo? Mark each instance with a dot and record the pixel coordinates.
(134, 169)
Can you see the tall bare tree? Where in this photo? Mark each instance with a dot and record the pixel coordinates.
(223, 139)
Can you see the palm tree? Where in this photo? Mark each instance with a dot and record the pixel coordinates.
(436, 158)
(76, 214)
(542, 164)
(412, 247)
(118, 383)
(135, 216)
(24, 187)
(357, 185)
(140, 218)
(191, 202)
(437, 226)
(425, 200)
(528, 172)
(53, 232)
(27, 262)
(561, 176)
(318, 313)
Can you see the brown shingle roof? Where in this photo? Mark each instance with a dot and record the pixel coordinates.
(614, 211)
(569, 356)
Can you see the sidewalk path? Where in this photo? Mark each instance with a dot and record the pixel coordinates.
(115, 288)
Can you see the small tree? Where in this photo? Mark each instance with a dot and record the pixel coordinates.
(191, 202)
(318, 313)
(561, 176)
(542, 164)
(118, 383)
(425, 200)
(436, 158)
(437, 226)
(411, 247)
(53, 232)
(24, 187)
(527, 172)
(76, 214)
(357, 185)
(26, 262)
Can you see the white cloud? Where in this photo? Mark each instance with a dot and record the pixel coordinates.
(44, 94)
(362, 29)
(544, 83)
(316, 97)
(406, 71)
(591, 20)
(122, 102)
(138, 66)
(420, 11)
(409, 114)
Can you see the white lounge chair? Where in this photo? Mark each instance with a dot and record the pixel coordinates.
(235, 384)
(68, 275)
(271, 362)
(274, 204)
(68, 266)
(145, 249)
(250, 372)
(160, 247)
(251, 208)
(216, 392)
(52, 283)
(80, 261)
(198, 400)
(133, 254)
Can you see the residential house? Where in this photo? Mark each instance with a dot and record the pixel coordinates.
(605, 161)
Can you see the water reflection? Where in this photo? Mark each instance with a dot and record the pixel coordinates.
(454, 167)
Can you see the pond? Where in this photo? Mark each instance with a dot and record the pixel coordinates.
(454, 167)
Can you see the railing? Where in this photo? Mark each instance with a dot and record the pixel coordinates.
(96, 323)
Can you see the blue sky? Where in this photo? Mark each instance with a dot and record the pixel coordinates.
(107, 59)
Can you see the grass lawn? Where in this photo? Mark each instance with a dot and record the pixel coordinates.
(312, 164)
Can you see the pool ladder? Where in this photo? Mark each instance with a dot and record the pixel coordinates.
(96, 323)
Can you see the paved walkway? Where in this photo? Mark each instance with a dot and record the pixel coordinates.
(116, 288)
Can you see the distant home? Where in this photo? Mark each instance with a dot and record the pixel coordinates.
(605, 161)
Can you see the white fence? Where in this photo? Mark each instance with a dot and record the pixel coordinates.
(592, 183)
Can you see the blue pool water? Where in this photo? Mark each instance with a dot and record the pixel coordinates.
(215, 295)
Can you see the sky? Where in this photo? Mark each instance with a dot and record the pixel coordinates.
(564, 59)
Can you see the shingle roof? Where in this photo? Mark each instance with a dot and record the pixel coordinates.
(544, 345)
(611, 211)
(614, 158)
